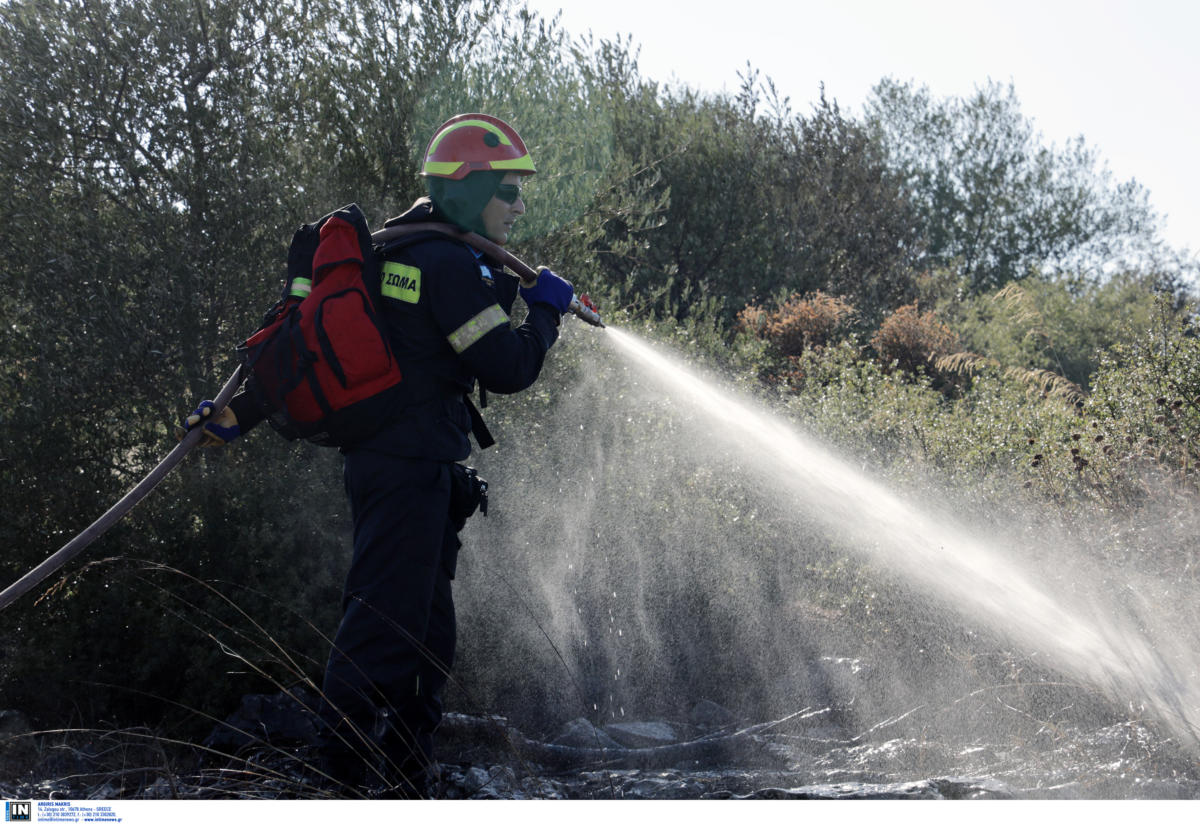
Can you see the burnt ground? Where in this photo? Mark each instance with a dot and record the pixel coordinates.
(266, 752)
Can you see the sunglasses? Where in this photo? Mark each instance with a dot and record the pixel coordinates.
(508, 192)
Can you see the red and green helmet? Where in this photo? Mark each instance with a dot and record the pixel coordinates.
(475, 142)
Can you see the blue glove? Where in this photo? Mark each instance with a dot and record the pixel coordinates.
(549, 289)
(218, 431)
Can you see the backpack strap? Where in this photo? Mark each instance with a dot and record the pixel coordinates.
(478, 428)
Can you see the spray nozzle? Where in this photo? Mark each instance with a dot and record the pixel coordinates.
(586, 310)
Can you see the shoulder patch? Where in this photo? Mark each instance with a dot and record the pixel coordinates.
(400, 282)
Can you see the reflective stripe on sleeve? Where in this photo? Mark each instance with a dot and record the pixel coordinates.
(476, 328)
(300, 288)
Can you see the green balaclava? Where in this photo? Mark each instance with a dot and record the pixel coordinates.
(463, 201)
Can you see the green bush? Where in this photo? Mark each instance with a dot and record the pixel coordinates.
(1061, 325)
(1144, 410)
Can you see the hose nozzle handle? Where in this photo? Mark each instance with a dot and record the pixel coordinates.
(584, 308)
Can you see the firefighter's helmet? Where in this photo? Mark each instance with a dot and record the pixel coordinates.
(475, 142)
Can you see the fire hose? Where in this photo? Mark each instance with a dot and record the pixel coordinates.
(580, 306)
(118, 511)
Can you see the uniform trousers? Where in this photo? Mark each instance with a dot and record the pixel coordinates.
(392, 654)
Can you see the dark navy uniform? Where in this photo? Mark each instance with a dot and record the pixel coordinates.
(446, 309)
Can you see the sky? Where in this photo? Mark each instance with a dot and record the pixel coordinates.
(1124, 74)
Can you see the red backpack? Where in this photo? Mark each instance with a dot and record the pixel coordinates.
(320, 367)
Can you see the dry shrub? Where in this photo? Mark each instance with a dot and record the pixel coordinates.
(911, 339)
(801, 322)
(753, 319)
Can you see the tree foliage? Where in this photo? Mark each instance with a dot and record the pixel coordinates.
(738, 198)
(995, 203)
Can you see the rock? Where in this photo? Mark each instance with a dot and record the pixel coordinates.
(709, 715)
(465, 738)
(582, 734)
(461, 782)
(640, 734)
(479, 783)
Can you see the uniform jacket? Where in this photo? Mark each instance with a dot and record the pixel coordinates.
(446, 309)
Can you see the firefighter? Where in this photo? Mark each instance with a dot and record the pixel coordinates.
(446, 307)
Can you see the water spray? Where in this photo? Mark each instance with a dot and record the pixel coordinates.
(1141, 659)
